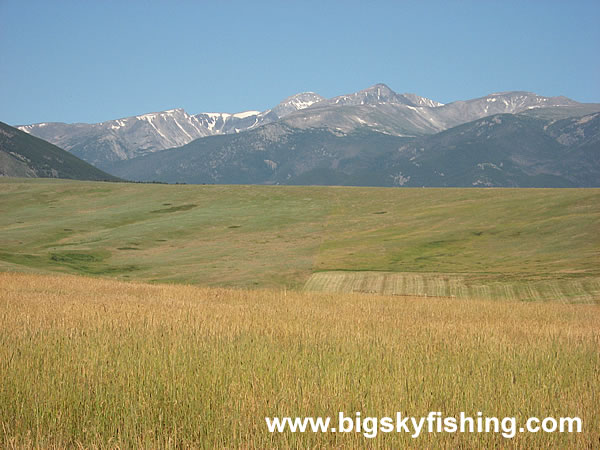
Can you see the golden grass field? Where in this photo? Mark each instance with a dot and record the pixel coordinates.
(88, 362)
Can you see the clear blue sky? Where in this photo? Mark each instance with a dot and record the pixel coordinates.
(89, 61)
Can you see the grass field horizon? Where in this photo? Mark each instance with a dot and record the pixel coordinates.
(527, 244)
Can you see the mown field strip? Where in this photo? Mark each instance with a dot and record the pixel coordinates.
(455, 286)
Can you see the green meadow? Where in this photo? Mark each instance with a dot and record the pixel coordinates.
(528, 244)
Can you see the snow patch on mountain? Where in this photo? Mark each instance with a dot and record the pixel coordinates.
(244, 114)
(417, 100)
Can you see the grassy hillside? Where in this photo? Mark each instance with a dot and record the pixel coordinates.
(23, 155)
(261, 236)
(89, 363)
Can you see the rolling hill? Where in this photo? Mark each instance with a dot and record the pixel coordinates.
(23, 155)
(543, 240)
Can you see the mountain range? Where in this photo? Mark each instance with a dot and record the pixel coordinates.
(115, 140)
(372, 137)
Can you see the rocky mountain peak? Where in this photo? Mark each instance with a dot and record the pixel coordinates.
(417, 100)
(374, 95)
(296, 102)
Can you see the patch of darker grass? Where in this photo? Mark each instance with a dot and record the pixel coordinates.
(90, 262)
(127, 248)
(23, 259)
(175, 208)
(380, 212)
(234, 226)
(76, 257)
(112, 270)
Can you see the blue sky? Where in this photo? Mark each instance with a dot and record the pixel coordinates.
(89, 61)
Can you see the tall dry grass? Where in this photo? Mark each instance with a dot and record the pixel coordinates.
(100, 363)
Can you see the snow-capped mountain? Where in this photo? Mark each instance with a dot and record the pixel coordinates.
(512, 102)
(377, 108)
(225, 123)
(381, 109)
(417, 100)
(103, 143)
(120, 139)
(296, 103)
(381, 94)
(501, 150)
